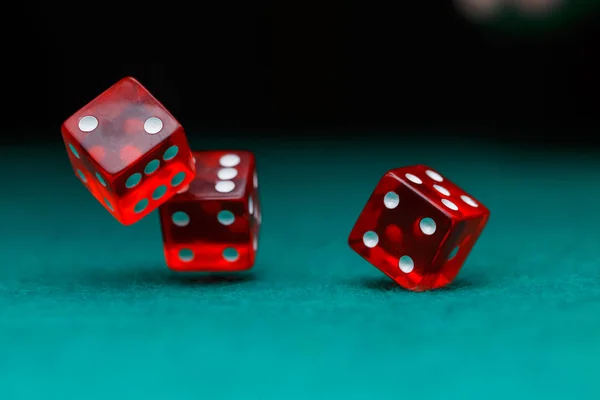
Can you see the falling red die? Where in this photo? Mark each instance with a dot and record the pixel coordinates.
(128, 150)
(214, 225)
(418, 228)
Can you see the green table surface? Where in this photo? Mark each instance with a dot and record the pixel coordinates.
(88, 309)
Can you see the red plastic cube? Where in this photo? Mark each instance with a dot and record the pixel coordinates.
(128, 150)
(418, 227)
(213, 225)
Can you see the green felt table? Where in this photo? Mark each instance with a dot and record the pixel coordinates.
(88, 309)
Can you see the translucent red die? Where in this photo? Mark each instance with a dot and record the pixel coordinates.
(418, 228)
(128, 150)
(213, 225)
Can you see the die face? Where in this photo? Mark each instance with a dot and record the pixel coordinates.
(130, 171)
(222, 174)
(212, 226)
(119, 126)
(255, 209)
(441, 192)
(417, 231)
(207, 235)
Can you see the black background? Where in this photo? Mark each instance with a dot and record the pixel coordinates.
(305, 69)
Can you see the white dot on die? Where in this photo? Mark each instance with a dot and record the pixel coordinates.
(88, 123)
(227, 173)
(229, 160)
(230, 254)
(370, 239)
(413, 179)
(186, 255)
(180, 218)
(442, 190)
(427, 226)
(153, 125)
(449, 204)
(453, 253)
(224, 186)
(225, 217)
(255, 242)
(469, 201)
(250, 205)
(82, 176)
(406, 264)
(434, 175)
(391, 200)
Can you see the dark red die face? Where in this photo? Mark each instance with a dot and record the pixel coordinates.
(412, 225)
(128, 150)
(213, 225)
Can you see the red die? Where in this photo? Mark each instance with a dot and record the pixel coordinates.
(128, 150)
(418, 228)
(214, 224)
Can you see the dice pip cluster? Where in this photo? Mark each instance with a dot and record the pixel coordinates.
(133, 156)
